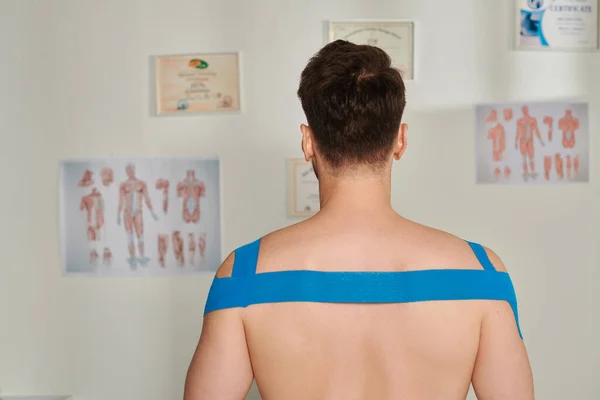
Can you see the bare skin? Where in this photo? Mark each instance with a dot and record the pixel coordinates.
(430, 350)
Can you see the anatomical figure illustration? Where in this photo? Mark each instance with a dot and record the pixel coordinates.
(202, 245)
(547, 167)
(133, 193)
(93, 257)
(191, 189)
(163, 185)
(107, 257)
(576, 166)
(558, 165)
(191, 247)
(497, 173)
(568, 125)
(500, 172)
(87, 179)
(492, 117)
(107, 176)
(178, 248)
(549, 121)
(163, 246)
(527, 128)
(93, 205)
(508, 114)
(498, 137)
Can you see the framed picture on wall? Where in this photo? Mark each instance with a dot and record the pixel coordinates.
(560, 25)
(533, 143)
(303, 189)
(395, 37)
(140, 216)
(197, 83)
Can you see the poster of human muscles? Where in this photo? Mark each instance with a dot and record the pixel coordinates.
(532, 143)
(140, 217)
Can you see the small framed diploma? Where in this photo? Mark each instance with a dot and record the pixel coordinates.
(197, 83)
(303, 189)
(395, 37)
(561, 25)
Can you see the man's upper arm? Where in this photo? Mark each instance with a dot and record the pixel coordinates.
(221, 368)
(502, 370)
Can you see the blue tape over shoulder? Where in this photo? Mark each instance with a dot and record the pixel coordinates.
(361, 287)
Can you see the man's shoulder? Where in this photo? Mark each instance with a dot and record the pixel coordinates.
(450, 250)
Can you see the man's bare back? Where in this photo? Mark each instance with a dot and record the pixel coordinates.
(427, 350)
(320, 347)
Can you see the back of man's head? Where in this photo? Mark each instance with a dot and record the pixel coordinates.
(353, 100)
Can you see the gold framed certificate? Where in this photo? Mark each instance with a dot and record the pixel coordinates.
(395, 37)
(197, 83)
(303, 189)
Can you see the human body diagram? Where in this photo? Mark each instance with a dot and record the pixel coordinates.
(93, 206)
(139, 217)
(497, 135)
(527, 131)
(568, 125)
(535, 142)
(191, 190)
(133, 194)
(163, 186)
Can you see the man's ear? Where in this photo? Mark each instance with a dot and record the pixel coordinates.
(400, 142)
(307, 142)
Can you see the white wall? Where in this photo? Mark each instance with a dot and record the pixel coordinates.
(74, 82)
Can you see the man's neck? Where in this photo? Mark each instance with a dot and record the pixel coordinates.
(351, 194)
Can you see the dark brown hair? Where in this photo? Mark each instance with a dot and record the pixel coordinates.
(353, 100)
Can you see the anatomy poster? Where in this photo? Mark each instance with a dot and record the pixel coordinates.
(140, 217)
(532, 143)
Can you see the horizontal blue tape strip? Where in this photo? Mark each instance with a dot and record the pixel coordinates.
(361, 287)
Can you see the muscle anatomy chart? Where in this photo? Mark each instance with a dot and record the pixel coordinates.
(535, 143)
(137, 226)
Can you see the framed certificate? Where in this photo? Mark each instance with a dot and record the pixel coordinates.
(197, 83)
(557, 25)
(395, 37)
(303, 189)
